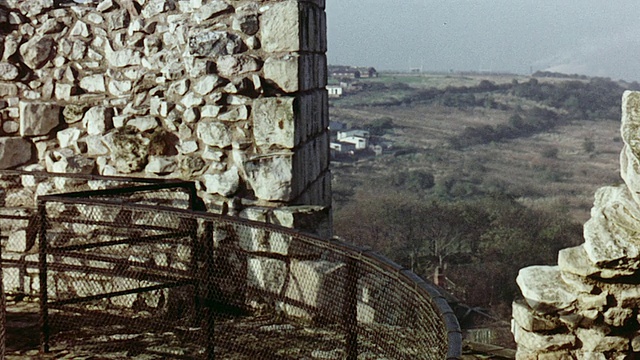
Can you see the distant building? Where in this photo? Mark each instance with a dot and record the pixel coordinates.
(353, 133)
(334, 90)
(351, 72)
(359, 142)
(338, 148)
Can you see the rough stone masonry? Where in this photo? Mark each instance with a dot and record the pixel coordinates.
(227, 93)
(587, 307)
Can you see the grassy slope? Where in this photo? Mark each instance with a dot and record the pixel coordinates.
(516, 165)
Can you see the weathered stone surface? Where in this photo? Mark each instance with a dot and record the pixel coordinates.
(235, 65)
(37, 51)
(529, 320)
(8, 71)
(206, 84)
(38, 118)
(214, 134)
(280, 27)
(210, 10)
(68, 137)
(160, 165)
(538, 342)
(128, 151)
(274, 122)
(596, 340)
(97, 120)
(143, 124)
(576, 261)
(93, 83)
(225, 184)
(73, 113)
(214, 43)
(544, 290)
(617, 317)
(283, 71)
(271, 177)
(312, 283)
(155, 7)
(66, 161)
(14, 151)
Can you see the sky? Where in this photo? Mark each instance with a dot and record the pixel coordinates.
(590, 37)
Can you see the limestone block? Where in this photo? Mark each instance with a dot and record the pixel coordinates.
(191, 100)
(280, 27)
(68, 137)
(17, 241)
(160, 165)
(155, 7)
(210, 111)
(274, 122)
(236, 65)
(10, 127)
(37, 51)
(214, 134)
(38, 118)
(271, 177)
(188, 147)
(538, 342)
(618, 317)
(576, 261)
(596, 340)
(95, 146)
(214, 43)
(609, 234)
(120, 88)
(306, 218)
(14, 151)
(235, 113)
(205, 85)
(144, 123)
(8, 71)
(291, 72)
(529, 320)
(225, 184)
(122, 58)
(211, 9)
(97, 120)
(11, 280)
(266, 274)
(314, 283)
(544, 290)
(179, 87)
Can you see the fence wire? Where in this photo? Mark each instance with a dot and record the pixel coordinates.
(122, 277)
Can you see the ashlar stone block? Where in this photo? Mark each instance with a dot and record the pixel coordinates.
(38, 118)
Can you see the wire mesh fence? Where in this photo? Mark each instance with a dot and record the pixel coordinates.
(123, 277)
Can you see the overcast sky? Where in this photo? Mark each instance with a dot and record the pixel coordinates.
(592, 37)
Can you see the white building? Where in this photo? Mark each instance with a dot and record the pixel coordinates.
(334, 90)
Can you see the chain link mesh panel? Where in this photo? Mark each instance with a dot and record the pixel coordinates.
(121, 277)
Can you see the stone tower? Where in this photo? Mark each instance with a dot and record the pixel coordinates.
(227, 93)
(587, 307)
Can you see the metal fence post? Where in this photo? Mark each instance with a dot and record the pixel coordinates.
(3, 312)
(207, 245)
(350, 309)
(44, 306)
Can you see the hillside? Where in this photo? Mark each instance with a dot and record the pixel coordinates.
(484, 175)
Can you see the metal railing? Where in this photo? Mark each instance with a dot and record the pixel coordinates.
(122, 276)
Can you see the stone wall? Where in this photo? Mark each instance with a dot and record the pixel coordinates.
(227, 93)
(587, 307)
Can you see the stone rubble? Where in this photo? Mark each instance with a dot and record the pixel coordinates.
(222, 71)
(586, 307)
